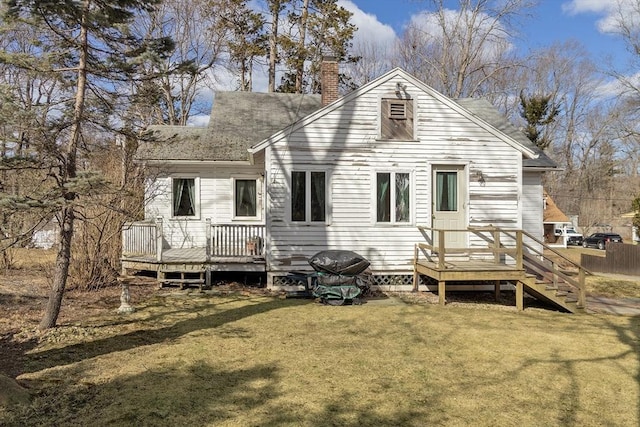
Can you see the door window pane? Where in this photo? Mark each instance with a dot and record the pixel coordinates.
(446, 191)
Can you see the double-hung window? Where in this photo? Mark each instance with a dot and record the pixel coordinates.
(245, 198)
(393, 197)
(308, 196)
(184, 197)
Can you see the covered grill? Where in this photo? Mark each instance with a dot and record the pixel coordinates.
(340, 276)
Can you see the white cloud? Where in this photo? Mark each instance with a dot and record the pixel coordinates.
(621, 88)
(369, 27)
(586, 6)
(199, 121)
(611, 10)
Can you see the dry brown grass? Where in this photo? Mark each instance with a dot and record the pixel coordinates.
(241, 359)
(608, 285)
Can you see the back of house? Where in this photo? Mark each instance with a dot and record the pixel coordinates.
(364, 172)
(276, 178)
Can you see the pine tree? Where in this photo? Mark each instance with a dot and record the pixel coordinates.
(538, 111)
(89, 48)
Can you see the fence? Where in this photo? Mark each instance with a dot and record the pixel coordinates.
(619, 258)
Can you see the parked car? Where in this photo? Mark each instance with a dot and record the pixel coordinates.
(572, 236)
(600, 240)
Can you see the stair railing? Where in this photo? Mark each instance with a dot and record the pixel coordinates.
(540, 268)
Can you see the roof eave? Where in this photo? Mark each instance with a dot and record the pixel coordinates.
(157, 162)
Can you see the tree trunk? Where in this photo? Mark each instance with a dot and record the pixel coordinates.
(63, 259)
(301, 46)
(273, 44)
(66, 215)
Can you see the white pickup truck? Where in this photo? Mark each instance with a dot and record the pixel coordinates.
(571, 236)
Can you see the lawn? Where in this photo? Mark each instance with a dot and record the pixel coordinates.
(242, 359)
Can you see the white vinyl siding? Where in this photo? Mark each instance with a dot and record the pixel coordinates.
(346, 142)
(532, 206)
(215, 200)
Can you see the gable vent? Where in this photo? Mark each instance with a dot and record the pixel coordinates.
(397, 110)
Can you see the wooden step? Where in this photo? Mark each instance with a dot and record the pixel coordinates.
(185, 281)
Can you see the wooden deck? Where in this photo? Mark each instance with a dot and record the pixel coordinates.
(227, 247)
(497, 256)
(190, 266)
(468, 271)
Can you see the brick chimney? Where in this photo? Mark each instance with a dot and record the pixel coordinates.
(329, 76)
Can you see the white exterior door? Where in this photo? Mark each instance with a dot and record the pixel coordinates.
(449, 203)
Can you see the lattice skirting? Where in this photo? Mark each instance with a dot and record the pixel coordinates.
(387, 282)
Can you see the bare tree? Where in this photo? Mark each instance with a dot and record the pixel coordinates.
(463, 52)
(194, 27)
(585, 136)
(373, 60)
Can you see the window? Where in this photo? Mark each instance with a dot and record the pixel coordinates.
(308, 196)
(446, 191)
(396, 120)
(184, 197)
(245, 197)
(393, 201)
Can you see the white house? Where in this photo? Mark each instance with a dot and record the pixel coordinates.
(275, 178)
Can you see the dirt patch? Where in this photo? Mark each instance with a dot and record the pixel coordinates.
(23, 298)
(24, 295)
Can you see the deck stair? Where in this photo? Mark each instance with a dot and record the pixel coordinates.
(553, 278)
(184, 275)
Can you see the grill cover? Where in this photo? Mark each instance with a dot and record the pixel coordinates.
(339, 262)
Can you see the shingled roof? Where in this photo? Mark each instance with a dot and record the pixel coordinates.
(552, 212)
(238, 121)
(487, 112)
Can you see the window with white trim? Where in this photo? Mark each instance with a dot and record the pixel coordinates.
(308, 196)
(184, 197)
(393, 197)
(245, 196)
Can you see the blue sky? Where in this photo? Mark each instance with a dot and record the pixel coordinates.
(554, 21)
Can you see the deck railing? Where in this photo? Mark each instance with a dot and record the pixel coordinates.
(145, 239)
(493, 243)
(489, 244)
(235, 240)
(139, 238)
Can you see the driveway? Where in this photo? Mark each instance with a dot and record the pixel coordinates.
(620, 306)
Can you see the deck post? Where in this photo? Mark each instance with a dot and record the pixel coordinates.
(519, 296)
(496, 246)
(519, 253)
(440, 248)
(159, 238)
(441, 291)
(497, 290)
(582, 293)
(208, 237)
(415, 268)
